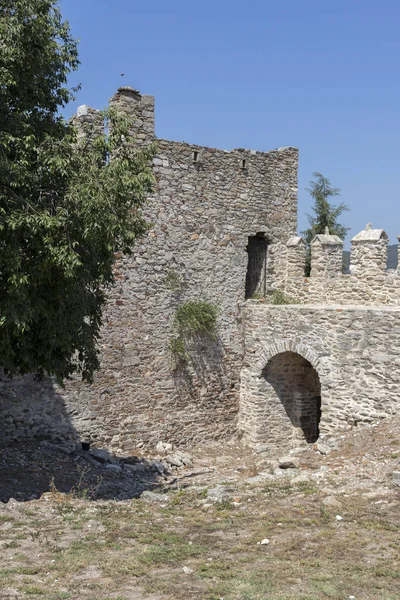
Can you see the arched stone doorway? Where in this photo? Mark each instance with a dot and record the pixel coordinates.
(291, 382)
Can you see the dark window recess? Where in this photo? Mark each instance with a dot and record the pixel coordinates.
(244, 164)
(256, 265)
(195, 155)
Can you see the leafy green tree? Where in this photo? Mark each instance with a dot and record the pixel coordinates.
(325, 215)
(66, 204)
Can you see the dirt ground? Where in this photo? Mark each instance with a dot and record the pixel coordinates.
(232, 526)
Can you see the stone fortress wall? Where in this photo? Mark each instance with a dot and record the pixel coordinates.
(330, 361)
(223, 230)
(368, 282)
(209, 205)
(352, 351)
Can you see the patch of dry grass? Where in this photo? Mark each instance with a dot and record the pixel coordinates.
(69, 548)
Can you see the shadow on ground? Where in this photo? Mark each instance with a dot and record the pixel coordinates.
(27, 470)
(33, 412)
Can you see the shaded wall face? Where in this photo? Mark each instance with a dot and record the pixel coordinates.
(33, 409)
(202, 216)
(353, 349)
(296, 385)
(256, 280)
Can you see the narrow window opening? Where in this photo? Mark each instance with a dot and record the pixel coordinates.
(195, 155)
(256, 266)
(244, 164)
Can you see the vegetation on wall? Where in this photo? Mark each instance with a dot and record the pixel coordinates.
(173, 280)
(279, 297)
(193, 319)
(325, 215)
(65, 206)
(197, 317)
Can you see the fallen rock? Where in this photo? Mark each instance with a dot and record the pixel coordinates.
(332, 501)
(113, 468)
(152, 497)
(160, 466)
(187, 570)
(12, 502)
(327, 445)
(186, 458)
(396, 478)
(179, 459)
(102, 456)
(174, 460)
(137, 468)
(289, 462)
(164, 447)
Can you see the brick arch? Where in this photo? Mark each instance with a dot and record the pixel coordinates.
(319, 360)
(289, 381)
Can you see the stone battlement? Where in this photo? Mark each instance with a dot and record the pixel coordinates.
(222, 231)
(141, 108)
(368, 280)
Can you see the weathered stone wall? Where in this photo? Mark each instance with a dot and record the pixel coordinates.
(368, 283)
(346, 289)
(29, 408)
(369, 251)
(326, 256)
(354, 351)
(132, 103)
(326, 364)
(295, 258)
(206, 205)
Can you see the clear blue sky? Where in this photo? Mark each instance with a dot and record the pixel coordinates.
(317, 74)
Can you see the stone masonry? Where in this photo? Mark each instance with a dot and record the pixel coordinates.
(369, 282)
(206, 206)
(329, 362)
(340, 363)
(223, 230)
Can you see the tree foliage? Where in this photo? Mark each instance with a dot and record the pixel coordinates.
(66, 205)
(325, 215)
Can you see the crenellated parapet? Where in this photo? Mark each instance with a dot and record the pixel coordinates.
(128, 102)
(88, 121)
(140, 109)
(369, 252)
(398, 254)
(326, 255)
(296, 250)
(368, 281)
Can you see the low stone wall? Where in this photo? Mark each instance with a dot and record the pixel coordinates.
(353, 351)
(368, 282)
(367, 289)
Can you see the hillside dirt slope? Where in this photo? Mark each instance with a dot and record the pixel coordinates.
(231, 524)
